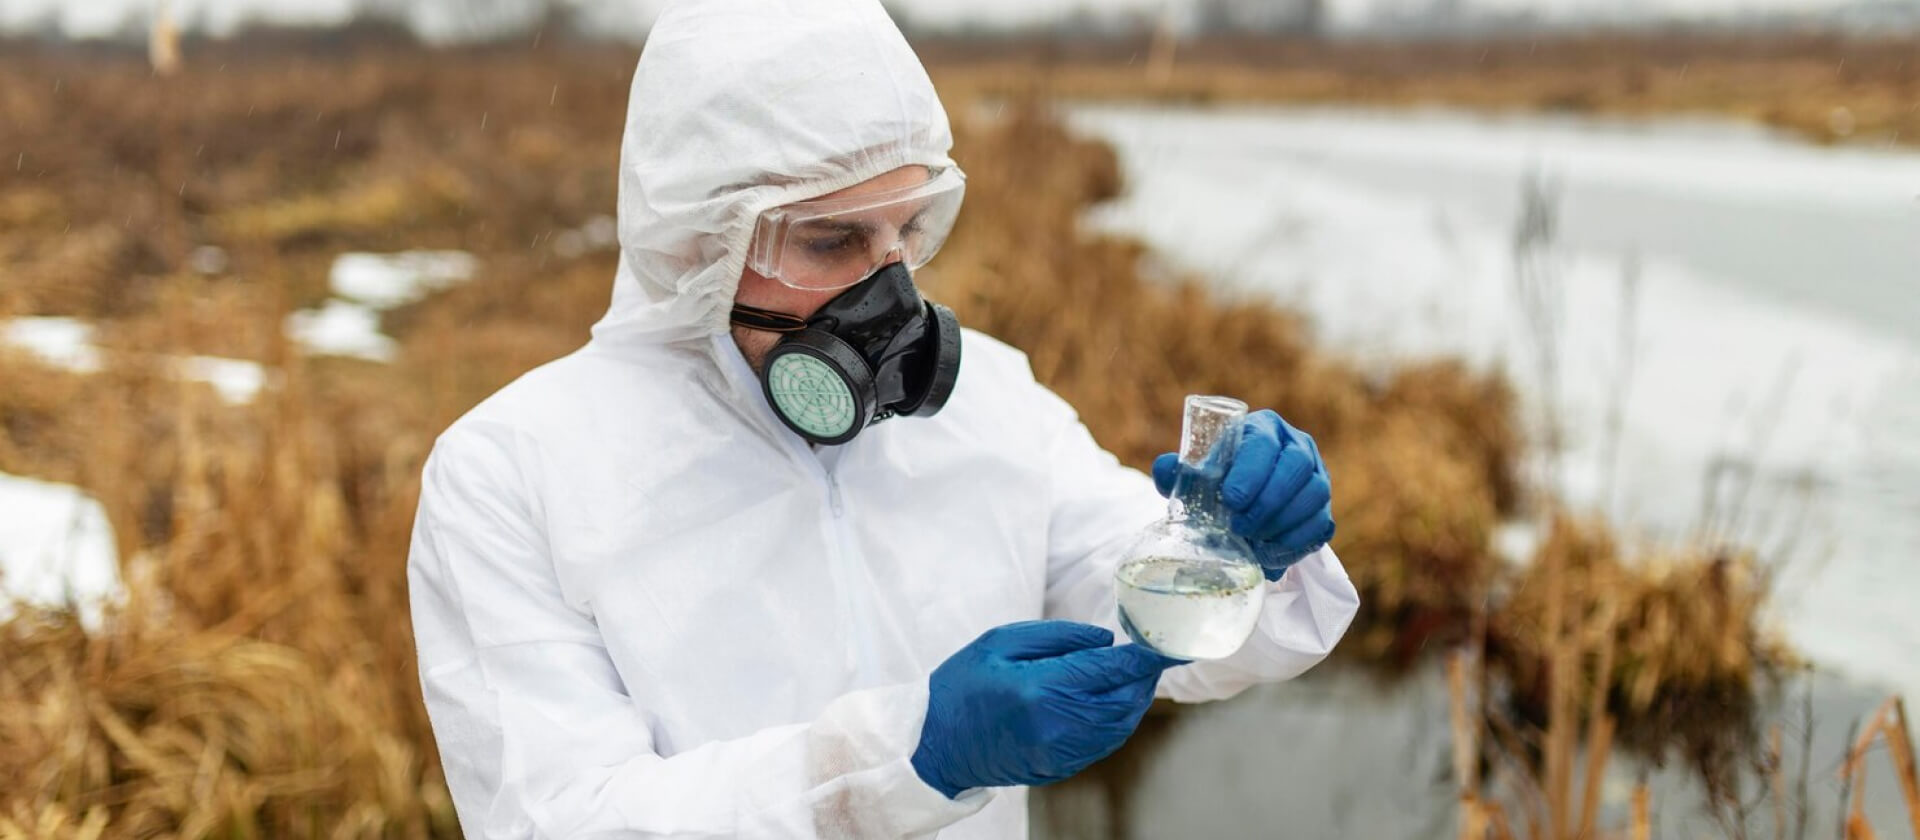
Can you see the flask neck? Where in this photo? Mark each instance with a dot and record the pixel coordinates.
(1196, 497)
(1209, 437)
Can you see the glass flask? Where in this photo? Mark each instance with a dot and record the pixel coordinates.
(1189, 587)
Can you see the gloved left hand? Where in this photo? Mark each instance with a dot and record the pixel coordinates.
(1277, 491)
(1030, 703)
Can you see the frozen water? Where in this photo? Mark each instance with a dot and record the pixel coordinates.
(1771, 329)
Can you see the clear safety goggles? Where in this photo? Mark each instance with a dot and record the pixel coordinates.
(832, 243)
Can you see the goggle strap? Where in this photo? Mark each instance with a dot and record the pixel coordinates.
(755, 318)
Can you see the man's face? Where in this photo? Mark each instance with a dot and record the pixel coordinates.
(768, 293)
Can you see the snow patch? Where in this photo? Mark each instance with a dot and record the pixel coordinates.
(237, 381)
(65, 343)
(341, 329)
(56, 549)
(384, 281)
(68, 344)
(366, 285)
(600, 233)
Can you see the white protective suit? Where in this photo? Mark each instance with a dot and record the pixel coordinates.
(644, 608)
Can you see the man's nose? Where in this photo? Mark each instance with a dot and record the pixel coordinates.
(897, 252)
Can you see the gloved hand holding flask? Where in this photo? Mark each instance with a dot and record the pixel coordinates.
(1276, 491)
(1031, 703)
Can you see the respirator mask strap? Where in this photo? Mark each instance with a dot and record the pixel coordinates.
(766, 320)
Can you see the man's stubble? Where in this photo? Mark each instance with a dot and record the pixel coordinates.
(755, 345)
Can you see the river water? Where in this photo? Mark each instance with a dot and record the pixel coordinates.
(1744, 307)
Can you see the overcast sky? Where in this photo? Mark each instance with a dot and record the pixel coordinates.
(453, 18)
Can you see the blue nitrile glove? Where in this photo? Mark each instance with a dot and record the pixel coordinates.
(1030, 703)
(1277, 491)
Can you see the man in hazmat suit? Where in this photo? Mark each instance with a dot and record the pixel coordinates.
(762, 559)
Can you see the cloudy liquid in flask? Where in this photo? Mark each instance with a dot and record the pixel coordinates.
(1182, 611)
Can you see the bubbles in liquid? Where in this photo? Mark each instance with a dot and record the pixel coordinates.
(1189, 610)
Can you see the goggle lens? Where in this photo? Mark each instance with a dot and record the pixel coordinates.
(835, 243)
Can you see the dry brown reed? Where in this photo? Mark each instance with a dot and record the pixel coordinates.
(1670, 649)
(260, 679)
(1888, 725)
(251, 685)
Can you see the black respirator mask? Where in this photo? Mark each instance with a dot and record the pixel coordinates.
(875, 351)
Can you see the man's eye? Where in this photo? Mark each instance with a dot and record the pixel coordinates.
(830, 246)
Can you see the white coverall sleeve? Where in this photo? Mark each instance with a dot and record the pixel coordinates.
(1099, 505)
(539, 736)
